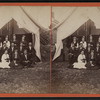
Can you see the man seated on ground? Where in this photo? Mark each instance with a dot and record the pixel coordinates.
(31, 52)
(26, 62)
(81, 61)
(15, 63)
(16, 56)
(91, 64)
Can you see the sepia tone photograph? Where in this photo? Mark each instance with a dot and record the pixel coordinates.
(75, 50)
(25, 49)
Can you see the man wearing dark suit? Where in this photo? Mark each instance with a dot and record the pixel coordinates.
(16, 56)
(26, 62)
(11, 50)
(97, 54)
(72, 55)
(24, 41)
(65, 52)
(14, 40)
(80, 49)
(15, 64)
(21, 49)
(88, 51)
(31, 52)
(90, 41)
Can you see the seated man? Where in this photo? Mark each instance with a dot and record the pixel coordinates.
(31, 51)
(26, 62)
(21, 49)
(88, 51)
(75, 43)
(14, 40)
(16, 56)
(23, 41)
(80, 48)
(72, 55)
(91, 63)
(97, 54)
(65, 52)
(15, 63)
(90, 41)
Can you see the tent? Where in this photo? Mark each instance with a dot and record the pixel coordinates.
(74, 18)
(27, 18)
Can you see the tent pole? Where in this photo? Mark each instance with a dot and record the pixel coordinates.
(12, 26)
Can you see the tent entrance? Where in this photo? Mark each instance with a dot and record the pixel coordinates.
(85, 30)
(12, 28)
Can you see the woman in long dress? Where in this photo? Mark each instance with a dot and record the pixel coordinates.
(5, 60)
(81, 61)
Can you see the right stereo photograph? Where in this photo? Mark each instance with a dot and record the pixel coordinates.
(75, 50)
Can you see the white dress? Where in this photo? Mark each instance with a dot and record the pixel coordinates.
(80, 64)
(4, 63)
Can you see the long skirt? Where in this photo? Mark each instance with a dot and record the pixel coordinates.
(4, 65)
(79, 65)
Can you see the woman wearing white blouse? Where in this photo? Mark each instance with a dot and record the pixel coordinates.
(81, 61)
(7, 42)
(83, 42)
(5, 60)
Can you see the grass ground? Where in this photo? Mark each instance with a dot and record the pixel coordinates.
(28, 80)
(74, 81)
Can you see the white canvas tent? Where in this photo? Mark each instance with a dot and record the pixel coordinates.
(25, 19)
(75, 17)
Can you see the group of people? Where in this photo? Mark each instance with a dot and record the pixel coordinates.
(84, 54)
(15, 54)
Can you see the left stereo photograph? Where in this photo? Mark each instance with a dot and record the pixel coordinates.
(25, 49)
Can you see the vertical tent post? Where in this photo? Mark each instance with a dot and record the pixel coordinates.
(12, 26)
